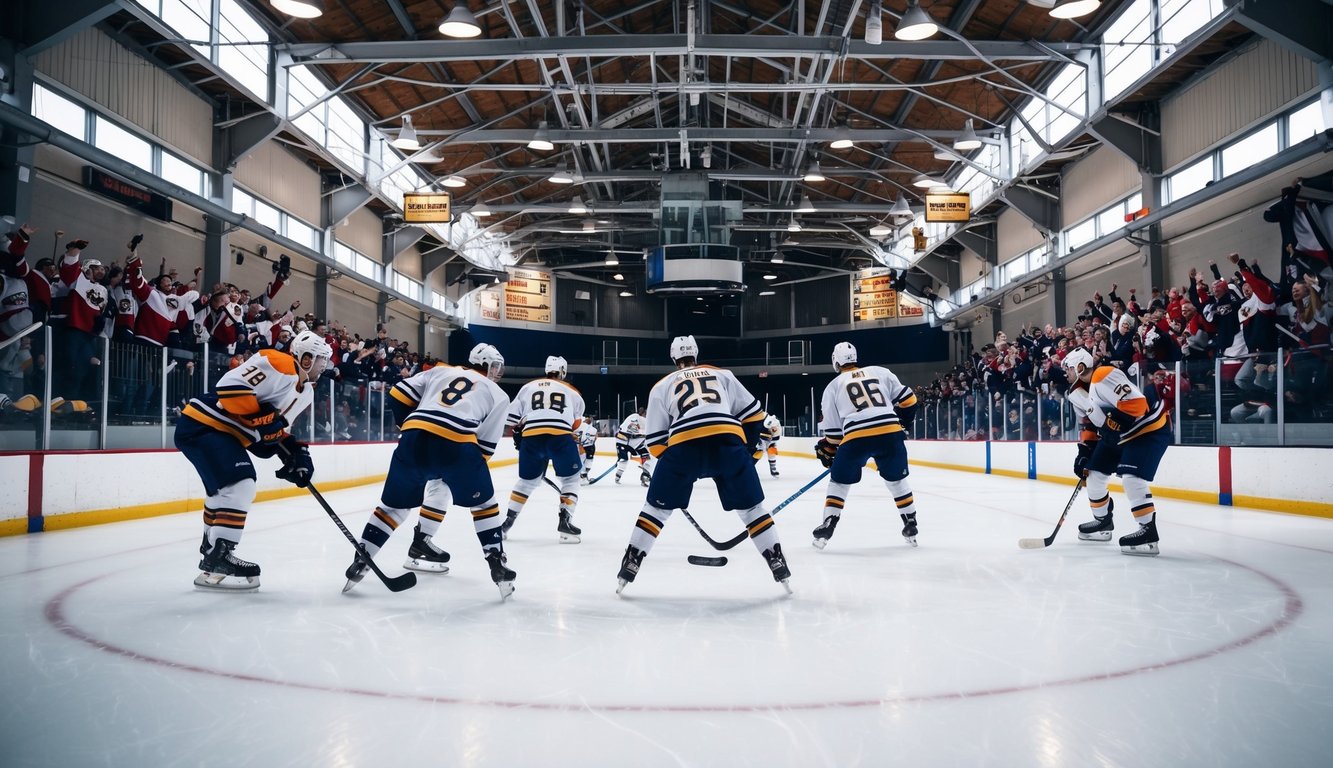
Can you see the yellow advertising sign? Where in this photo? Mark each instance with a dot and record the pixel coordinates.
(949, 207)
(528, 314)
(426, 208)
(528, 296)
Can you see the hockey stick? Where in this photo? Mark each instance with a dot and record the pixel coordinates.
(1046, 542)
(394, 583)
(743, 535)
(604, 474)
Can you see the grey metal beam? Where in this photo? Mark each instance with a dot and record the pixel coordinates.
(982, 241)
(1304, 26)
(430, 262)
(740, 46)
(344, 202)
(659, 135)
(1039, 209)
(400, 240)
(246, 136)
(1139, 143)
(17, 156)
(41, 25)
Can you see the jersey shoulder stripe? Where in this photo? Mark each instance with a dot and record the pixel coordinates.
(281, 361)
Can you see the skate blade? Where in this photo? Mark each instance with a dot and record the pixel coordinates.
(786, 586)
(217, 582)
(1141, 550)
(569, 538)
(350, 585)
(819, 543)
(506, 589)
(425, 566)
(1100, 536)
(621, 586)
(911, 540)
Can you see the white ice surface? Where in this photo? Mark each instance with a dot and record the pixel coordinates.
(966, 651)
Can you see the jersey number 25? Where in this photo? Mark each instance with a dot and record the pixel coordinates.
(691, 392)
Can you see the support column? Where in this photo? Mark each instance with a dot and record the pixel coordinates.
(1141, 142)
(16, 156)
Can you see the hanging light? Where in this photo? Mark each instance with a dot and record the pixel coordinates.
(842, 137)
(407, 137)
(805, 206)
(301, 9)
(460, 22)
(589, 225)
(540, 142)
(562, 176)
(926, 182)
(875, 23)
(813, 173)
(793, 225)
(778, 258)
(969, 139)
(454, 181)
(881, 230)
(900, 208)
(480, 211)
(767, 293)
(617, 276)
(576, 205)
(1072, 9)
(626, 294)
(611, 260)
(770, 276)
(915, 24)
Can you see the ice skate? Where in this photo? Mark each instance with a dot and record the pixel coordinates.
(645, 478)
(424, 556)
(629, 566)
(583, 478)
(1098, 528)
(501, 575)
(355, 572)
(773, 471)
(825, 531)
(569, 534)
(909, 528)
(618, 474)
(1141, 542)
(507, 524)
(223, 571)
(778, 565)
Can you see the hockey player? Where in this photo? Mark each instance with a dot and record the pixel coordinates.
(702, 422)
(630, 441)
(864, 412)
(451, 419)
(1134, 435)
(544, 414)
(249, 410)
(768, 443)
(586, 435)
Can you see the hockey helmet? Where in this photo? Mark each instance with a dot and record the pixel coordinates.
(89, 264)
(489, 356)
(843, 354)
(683, 347)
(556, 364)
(311, 343)
(1078, 362)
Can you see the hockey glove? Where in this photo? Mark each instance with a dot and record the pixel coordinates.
(518, 437)
(825, 451)
(297, 466)
(906, 415)
(1081, 460)
(753, 431)
(1117, 421)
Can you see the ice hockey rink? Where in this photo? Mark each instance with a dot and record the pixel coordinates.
(965, 651)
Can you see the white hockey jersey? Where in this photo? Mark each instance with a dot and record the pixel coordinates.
(772, 429)
(696, 402)
(1111, 388)
(586, 434)
(631, 431)
(267, 378)
(457, 404)
(860, 402)
(546, 407)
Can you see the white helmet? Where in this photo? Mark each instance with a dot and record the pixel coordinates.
(311, 343)
(90, 263)
(1077, 357)
(557, 364)
(843, 354)
(489, 356)
(683, 347)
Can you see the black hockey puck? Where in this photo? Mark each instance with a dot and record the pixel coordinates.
(714, 562)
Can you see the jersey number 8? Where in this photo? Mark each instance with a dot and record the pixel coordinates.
(691, 392)
(865, 394)
(557, 401)
(455, 391)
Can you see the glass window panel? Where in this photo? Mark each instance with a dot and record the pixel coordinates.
(1190, 179)
(1125, 52)
(1250, 150)
(192, 19)
(1181, 18)
(268, 216)
(243, 48)
(1301, 124)
(1110, 220)
(304, 88)
(62, 113)
(1134, 203)
(182, 174)
(1037, 258)
(302, 233)
(123, 144)
(342, 254)
(1068, 90)
(347, 135)
(242, 202)
(1081, 234)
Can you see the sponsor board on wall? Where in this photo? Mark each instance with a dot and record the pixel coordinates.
(873, 297)
(489, 301)
(426, 208)
(528, 296)
(948, 207)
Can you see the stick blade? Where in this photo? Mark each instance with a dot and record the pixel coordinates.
(402, 582)
(712, 562)
(1032, 543)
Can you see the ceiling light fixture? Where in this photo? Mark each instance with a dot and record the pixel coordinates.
(813, 173)
(576, 205)
(618, 276)
(900, 208)
(770, 276)
(880, 231)
(915, 24)
(842, 137)
(540, 142)
(778, 258)
(793, 226)
(626, 294)
(460, 22)
(454, 181)
(480, 211)
(589, 225)
(875, 23)
(926, 182)
(805, 206)
(767, 293)
(562, 176)
(407, 137)
(1072, 9)
(969, 139)
(611, 260)
(301, 9)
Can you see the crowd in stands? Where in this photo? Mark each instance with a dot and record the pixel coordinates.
(85, 300)
(1252, 321)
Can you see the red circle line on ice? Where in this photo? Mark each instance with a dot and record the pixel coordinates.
(1292, 609)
